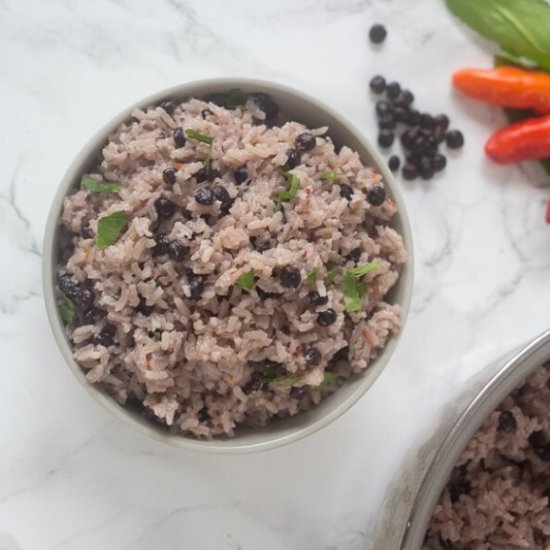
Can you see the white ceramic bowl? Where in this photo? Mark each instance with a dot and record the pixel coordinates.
(296, 106)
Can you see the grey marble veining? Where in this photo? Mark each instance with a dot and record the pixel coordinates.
(71, 477)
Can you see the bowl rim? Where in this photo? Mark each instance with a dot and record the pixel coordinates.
(217, 445)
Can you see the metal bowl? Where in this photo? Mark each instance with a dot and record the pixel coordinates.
(410, 502)
(296, 106)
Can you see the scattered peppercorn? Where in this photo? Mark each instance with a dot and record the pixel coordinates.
(240, 175)
(377, 84)
(346, 191)
(409, 171)
(165, 208)
(442, 121)
(394, 163)
(383, 107)
(204, 196)
(393, 89)
(169, 176)
(387, 122)
(290, 276)
(293, 159)
(454, 139)
(385, 138)
(179, 137)
(439, 162)
(305, 142)
(376, 195)
(326, 318)
(377, 33)
(312, 355)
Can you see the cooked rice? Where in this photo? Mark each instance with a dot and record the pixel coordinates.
(498, 494)
(204, 366)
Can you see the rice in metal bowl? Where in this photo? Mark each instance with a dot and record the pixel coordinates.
(221, 267)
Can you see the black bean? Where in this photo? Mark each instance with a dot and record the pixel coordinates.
(385, 138)
(383, 107)
(409, 171)
(179, 137)
(441, 121)
(221, 194)
(269, 364)
(83, 298)
(394, 163)
(316, 299)
(543, 452)
(168, 106)
(267, 105)
(88, 316)
(67, 284)
(252, 386)
(206, 113)
(377, 84)
(196, 287)
(293, 159)
(226, 207)
(413, 118)
(106, 336)
(165, 208)
(169, 176)
(143, 308)
(438, 162)
(386, 122)
(346, 191)
(393, 89)
(297, 392)
(240, 175)
(264, 294)
(425, 169)
(458, 488)
(326, 318)
(312, 355)
(260, 246)
(454, 139)
(354, 255)
(341, 354)
(204, 196)
(203, 415)
(426, 121)
(537, 439)
(401, 114)
(206, 173)
(161, 244)
(507, 422)
(176, 251)
(305, 142)
(290, 276)
(377, 33)
(376, 195)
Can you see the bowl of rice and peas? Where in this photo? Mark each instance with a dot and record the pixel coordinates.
(227, 265)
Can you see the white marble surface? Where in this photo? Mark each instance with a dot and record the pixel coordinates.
(70, 476)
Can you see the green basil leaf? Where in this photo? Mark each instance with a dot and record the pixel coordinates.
(332, 175)
(521, 28)
(289, 381)
(363, 269)
(235, 99)
(67, 310)
(311, 276)
(507, 58)
(328, 378)
(109, 228)
(192, 134)
(352, 299)
(246, 280)
(96, 187)
(290, 193)
(332, 274)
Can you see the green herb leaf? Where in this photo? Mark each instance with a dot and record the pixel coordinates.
(157, 334)
(67, 310)
(332, 175)
(290, 193)
(328, 378)
(246, 280)
(192, 134)
(311, 276)
(352, 287)
(332, 274)
(235, 99)
(109, 228)
(520, 28)
(269, 377)
(96, 187)
(289, 381)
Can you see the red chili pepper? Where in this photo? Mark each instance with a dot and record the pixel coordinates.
(507, 86)
(525, 140)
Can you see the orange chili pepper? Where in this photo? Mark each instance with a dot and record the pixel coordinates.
(525, 140)
(507, 86)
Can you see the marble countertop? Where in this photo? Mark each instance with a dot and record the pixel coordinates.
(73, 478)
